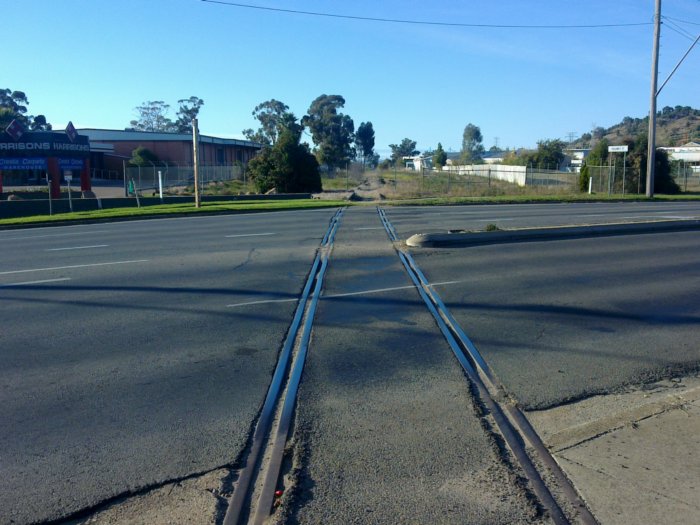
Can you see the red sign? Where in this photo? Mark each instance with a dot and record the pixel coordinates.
(71, 131)
(14, 130)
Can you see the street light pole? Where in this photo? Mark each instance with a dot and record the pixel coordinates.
(195, 162)
(651, 152)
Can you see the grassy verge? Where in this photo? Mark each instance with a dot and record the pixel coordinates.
(175, 210)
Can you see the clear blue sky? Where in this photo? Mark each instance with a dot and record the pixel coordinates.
(94, 61)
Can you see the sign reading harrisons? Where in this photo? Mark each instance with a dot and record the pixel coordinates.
(45, 144)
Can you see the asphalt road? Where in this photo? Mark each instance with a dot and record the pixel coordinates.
(566, 319)
(138, 352)
(410, 219)
(385, 416)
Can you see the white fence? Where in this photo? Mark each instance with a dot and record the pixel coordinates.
(520, 175)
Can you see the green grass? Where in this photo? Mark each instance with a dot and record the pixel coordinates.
(176, 210)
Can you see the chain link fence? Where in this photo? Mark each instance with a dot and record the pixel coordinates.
(686, 175)
(622, 180)
(145, 178)
(477, 181)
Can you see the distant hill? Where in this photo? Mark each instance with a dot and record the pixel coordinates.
(674, 127)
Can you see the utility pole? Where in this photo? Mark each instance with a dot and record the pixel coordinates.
(195, 162)
(651, 152)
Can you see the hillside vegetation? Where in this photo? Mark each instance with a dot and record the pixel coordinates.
(674, 127)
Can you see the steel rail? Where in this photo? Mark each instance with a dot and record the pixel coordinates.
(516, 415)
(243, 490)
(271, 477)
(472, 364)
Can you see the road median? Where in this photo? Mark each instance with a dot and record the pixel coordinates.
(456, 238)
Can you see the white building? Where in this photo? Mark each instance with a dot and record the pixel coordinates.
(575, 157)
(689, 152)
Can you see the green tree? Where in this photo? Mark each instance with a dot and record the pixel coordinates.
(287, 166)
(637, 157)
(549, 154)
(331, 131)
(13, 106)
(407, 148)
(153, 116)
(439, 157)
(472, 144)
(39, 124)
(364, 142)
(271, 115)
(187, 112)
(141, 156)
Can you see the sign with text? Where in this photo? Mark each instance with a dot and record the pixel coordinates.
(45, 144)
(618, 149)
(23, 164)
(71, 164)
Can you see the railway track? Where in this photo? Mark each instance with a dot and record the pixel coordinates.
(259, 485)
(255, 491)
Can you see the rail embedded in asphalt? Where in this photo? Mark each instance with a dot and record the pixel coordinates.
(511, 422)
(255, 491)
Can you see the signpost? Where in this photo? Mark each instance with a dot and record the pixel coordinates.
(48, 185)
(69, 177)
(623, 150)
(160, 185)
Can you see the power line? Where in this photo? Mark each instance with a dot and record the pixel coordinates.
(678, 29)
(427, 22)
(682, 21)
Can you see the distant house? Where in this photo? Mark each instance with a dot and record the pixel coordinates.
(493, 157)
(418, 162)
(574, 158)
(689, 152)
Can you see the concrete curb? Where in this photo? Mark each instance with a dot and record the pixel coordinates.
(437, 240)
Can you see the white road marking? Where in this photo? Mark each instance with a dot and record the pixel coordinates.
(380, 290)
(249, 235)
(77, 248)
(9, 238)
(372, 228)
(262, 302)
(73, 266)
(364, 292)
(35, 282)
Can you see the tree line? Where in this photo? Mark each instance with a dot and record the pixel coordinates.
(287, 164)
(153, 116)
(13, 106)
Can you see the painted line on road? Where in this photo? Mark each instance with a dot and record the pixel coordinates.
(363, 292)
(373, 228)
(76, 248)
(26, 283)
(262, 302)
(250, 235)
(73, 266)
(380, 290)
(10, 238)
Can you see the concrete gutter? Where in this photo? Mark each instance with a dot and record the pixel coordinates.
(470, 238)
